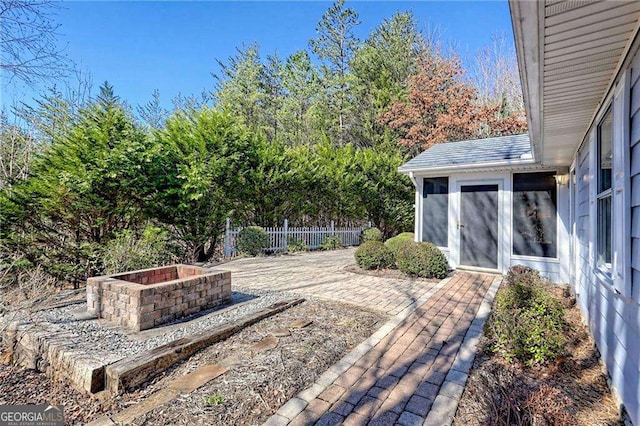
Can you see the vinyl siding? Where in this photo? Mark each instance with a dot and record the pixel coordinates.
(634, 163)
(613, 317)
(582, 222)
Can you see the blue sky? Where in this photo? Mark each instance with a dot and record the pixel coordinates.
(173, 46)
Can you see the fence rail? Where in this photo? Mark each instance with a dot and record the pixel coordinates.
(279, 237)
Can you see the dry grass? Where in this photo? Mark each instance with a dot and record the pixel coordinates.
(572, 391)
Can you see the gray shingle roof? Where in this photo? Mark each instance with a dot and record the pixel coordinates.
(471, 152)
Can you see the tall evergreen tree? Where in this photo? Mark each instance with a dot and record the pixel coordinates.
(153, 114)
(334, 45)
(381, 68)
(238, 85)
(301, 85)
(272, 96)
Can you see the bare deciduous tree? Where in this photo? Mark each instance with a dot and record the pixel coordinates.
(28, 46)
(495, 75)
(17, 147)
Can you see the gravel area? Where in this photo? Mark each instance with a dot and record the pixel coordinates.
(98, 336)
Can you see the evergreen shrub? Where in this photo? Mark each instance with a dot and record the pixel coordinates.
(371, 234)
(252, 240)
(331, 243)
(527, 323)
(421, 260)
(373, 255)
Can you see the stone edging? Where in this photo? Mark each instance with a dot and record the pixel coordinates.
(297, 404)
(445, 405)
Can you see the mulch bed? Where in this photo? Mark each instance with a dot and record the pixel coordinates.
(571, 391)
(247, 394)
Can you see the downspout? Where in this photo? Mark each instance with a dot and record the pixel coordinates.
(417, 219)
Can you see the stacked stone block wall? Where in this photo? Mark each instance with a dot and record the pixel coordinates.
(144, 299)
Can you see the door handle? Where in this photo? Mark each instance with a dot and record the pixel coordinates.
(460, 225)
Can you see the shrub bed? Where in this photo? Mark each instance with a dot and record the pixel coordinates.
(252, 240)
(527, 323)
(373, 255)
(421, 259)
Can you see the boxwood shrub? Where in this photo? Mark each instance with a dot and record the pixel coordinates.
(394, 243)
(252, 240)
(371, 234)
(422, 260)
(373, 255)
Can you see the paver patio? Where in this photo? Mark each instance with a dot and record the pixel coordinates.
(323, 275)
(413, 370)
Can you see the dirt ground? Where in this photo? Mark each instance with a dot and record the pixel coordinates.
(572, 391)
(247, 394)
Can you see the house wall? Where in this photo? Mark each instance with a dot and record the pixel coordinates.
(609, 298)
(556, 269)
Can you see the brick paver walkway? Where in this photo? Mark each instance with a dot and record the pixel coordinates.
(323, 275)
(410, 372)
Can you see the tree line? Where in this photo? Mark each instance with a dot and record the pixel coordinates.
(313, 137)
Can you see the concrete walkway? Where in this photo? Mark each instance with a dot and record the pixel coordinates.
(323, 275)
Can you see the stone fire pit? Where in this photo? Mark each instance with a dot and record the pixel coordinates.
(144, 299)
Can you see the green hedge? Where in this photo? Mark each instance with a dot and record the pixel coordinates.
(373, 255)
(252, 240)
(422, 260)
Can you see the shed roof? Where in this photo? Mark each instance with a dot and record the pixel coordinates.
(472, 153)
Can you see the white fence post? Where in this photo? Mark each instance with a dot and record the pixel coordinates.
(332, 229)
(285, 231)
(227, 239)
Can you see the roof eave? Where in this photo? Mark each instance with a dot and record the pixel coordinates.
(505, 164)
(527, 20)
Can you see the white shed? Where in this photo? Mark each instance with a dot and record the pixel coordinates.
(580, 69)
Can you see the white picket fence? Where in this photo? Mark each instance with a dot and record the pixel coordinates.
(279, 237)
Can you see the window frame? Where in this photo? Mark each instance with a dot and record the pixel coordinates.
(602, 195)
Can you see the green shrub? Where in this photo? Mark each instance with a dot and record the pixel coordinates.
(373, 255)
(527, 323)
(129, 251)
(371, 234)
(252, 240)
(394, 244)
(422, 260)
(295, 245)
(331, 243)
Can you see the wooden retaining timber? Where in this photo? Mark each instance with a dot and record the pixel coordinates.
(130, 372)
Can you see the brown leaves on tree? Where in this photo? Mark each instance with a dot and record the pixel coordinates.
(441, 107)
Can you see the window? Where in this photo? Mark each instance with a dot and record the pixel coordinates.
(534, 214)
(435, 214)
(605, 160)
